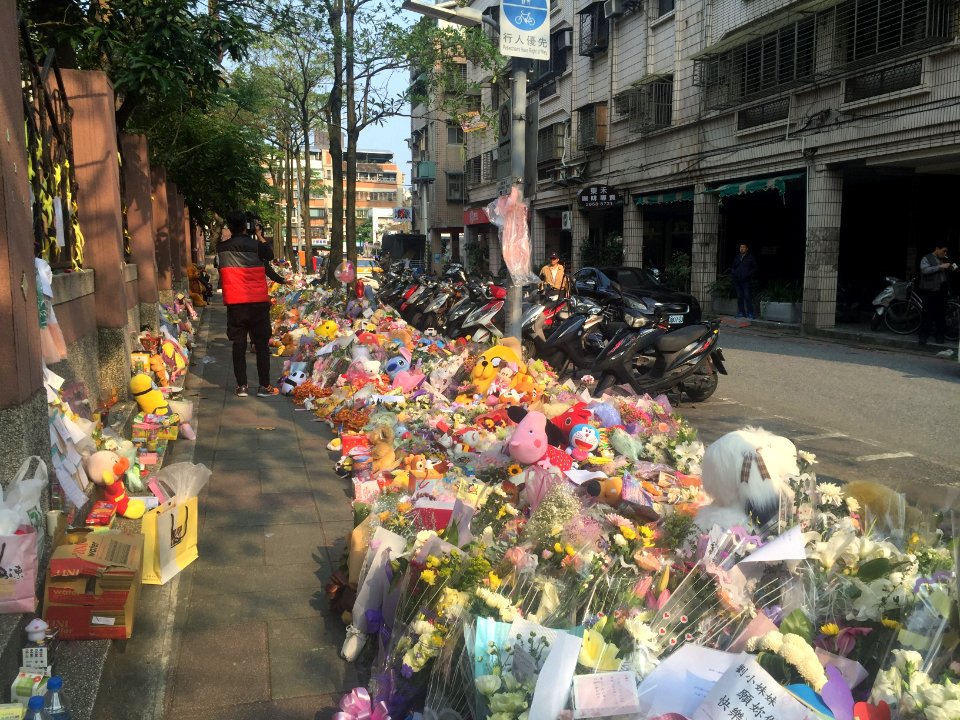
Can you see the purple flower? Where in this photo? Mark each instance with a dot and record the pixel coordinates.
(406, 671)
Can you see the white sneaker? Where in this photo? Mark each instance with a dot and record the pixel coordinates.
(353, 644)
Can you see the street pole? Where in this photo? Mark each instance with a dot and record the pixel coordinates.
(518, 150)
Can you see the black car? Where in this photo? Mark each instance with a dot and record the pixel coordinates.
(634, 285)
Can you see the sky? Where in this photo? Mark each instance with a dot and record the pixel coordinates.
(393, 134)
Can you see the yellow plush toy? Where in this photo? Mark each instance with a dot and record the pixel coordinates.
(488, 364)
(328, 330)
(106, 468)
(150, 400)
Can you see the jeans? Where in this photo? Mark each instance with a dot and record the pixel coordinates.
(744, 298)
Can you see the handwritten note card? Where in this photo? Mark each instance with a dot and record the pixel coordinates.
(605, 694)
(748, 692)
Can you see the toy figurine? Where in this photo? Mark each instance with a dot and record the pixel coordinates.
(106, 468)
(149, 398)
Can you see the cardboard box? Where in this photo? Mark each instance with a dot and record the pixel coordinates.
(93, 585)
(12, 711)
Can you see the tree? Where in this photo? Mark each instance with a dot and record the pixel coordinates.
(155, 53)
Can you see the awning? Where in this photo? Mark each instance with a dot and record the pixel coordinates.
(778, 183)
(663, 198)
(650, 78)
(766, 23)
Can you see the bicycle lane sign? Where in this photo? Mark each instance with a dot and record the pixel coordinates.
(525, 28)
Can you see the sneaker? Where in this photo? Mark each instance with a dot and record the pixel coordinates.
(267, 391)
(739, 315)
(751, 317)
(241, 391)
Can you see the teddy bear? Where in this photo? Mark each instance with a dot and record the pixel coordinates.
(416, 466)
(149, 398)
(287, 346)
(106, 469)
(746, 473)
(159, 368)
(382, 453)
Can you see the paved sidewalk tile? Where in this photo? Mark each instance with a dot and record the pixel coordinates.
(222, 580)
(312, 707)
(308, 663)
(262, 604)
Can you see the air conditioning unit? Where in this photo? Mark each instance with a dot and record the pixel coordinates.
(566, 220)
(614, 8)
(565, 41)
(560, 175)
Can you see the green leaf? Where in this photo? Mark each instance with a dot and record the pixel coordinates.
(798, 624)
(874, 569)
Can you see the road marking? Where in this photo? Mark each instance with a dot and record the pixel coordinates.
(883, 456)
(820, 436)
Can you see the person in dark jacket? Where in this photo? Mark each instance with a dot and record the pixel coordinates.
(741, 272)
(244, 263)
(933, 287)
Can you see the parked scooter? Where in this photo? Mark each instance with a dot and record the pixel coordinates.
(897, 306)
(651, 358)
(576, 341)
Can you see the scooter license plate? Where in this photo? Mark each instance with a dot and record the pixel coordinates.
(675, 319)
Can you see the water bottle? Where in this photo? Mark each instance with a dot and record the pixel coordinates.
(54, 702)
(35, 709)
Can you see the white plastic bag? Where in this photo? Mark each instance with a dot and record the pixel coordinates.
(185, 480)
(20, 505)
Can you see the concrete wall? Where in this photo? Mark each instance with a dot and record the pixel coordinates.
(138, 186)
(161, 232)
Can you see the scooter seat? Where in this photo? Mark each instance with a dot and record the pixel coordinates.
(679, 339)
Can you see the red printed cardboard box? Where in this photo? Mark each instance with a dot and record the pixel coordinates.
(93, 585)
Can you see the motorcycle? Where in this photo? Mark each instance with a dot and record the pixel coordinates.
(576, 341)
(652, 358)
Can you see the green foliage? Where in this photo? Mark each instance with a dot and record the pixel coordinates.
(602, 251)
(798, 624)
(153, 52)
(722, 288)
(364, 233)
(677, 273)
(782, 291)
(478, 256)
(676, 528)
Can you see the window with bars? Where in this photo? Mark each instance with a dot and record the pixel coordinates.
(886, 80)
(867, 28)
(665, 6)
(592, 126)
(594, 30)
(361, 213)
(489, 166)
(649, 107)
(550, 142)
(474, 171)
(454, 186)
(764, 113)
(761, 66)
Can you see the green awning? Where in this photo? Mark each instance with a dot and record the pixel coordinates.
(778, 183)
(663, 198)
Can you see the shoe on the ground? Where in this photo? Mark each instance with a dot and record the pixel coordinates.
(739, 315)
(751, 317)
(267, 391)
(241, 391)
(353, 644)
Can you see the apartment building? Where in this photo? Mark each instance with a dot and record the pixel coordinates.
(822, 133)
(380, 190)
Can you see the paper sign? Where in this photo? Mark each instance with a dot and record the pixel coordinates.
(52, 379)
(71, 489)
(553, 686)
(682, 681)
(789, 546)
(100, 620)
(326, 349)
(605, 694)
(747, 692)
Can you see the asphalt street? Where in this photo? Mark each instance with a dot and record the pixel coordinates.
(890, 416)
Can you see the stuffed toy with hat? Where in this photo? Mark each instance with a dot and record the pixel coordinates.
(106, 469)
(746, 473)
(149, 398)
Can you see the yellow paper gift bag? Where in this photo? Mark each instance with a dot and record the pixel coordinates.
(169, 540)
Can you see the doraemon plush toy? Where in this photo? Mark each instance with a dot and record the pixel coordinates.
(584, 439)
(397, 364)
(292, 381)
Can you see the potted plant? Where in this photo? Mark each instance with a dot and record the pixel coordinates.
(724, 295)
(782, 301)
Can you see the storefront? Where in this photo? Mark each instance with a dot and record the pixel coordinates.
(480, 245)
(667, 219)
(602, 208)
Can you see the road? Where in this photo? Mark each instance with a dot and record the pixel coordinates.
(868, 414)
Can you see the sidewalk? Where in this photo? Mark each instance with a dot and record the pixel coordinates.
(244, 632)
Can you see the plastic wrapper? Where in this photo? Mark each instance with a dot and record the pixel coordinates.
(509, 214)
(185, 480)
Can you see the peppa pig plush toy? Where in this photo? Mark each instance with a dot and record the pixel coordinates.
(535, 439)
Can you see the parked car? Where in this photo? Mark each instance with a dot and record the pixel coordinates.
(608, 284)
(367, 268)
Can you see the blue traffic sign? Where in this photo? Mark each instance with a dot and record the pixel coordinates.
(525, 14)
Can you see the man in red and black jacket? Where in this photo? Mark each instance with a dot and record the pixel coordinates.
(244, 262)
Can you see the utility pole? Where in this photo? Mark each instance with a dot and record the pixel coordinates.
(518, 169)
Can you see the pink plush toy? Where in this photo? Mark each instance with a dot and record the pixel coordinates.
(408, 380)
(534, 439)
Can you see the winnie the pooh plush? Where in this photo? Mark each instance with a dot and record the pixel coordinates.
(382, 453)
(106, 469)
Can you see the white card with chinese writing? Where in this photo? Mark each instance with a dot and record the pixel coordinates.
(681, 682)
(605, 694)
(746, 690)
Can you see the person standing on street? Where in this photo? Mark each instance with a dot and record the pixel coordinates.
(553, 276)
(742, 271)
(932, 288)
(244, 263)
